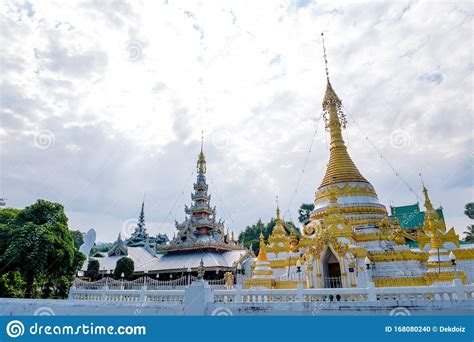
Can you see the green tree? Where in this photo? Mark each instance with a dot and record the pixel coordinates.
(469, 210)
(7, 215)
(126, 266)
(40, 248)
(469, 238)
(304, 211)
(78, 238)
(93, 268)
(469, 233)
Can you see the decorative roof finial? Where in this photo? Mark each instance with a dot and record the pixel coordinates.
(428, 205)
(201, 164)
(421, 177)
(278, 211)
(325, 57)
(202, 140)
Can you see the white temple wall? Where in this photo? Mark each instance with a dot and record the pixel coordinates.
(398, 269)
(467, 266)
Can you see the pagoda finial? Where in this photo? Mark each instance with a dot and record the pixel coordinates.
(202, 140)
(428, 205)
(278, 211)
(201, 164)
(325, 57)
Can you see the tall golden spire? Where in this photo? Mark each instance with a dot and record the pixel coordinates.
(201, 163)
(428, 205)
(431, 217)
(278, 221)
(341, 168)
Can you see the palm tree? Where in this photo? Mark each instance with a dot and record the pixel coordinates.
(469, 234)
(469, 210)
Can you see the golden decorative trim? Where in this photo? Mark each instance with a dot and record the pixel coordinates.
(426, 280)
(464, 254)
(346, 190)
(405, 255)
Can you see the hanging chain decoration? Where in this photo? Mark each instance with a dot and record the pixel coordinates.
(287, 211)
(224, 207)
(330, 98)
(395, 171)
(179, 198)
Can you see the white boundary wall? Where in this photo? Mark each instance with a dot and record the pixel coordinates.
(201, 299)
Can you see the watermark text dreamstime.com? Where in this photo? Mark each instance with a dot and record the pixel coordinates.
(16, 329)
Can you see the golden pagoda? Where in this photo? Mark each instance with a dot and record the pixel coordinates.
(278, 242)
(350, 240)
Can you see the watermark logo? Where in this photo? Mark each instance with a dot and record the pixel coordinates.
(399, 139)
(134, 50)
(44, 139)
(400, 311)
(220, 311)
(221, 138)
(44, 311)
(15, 329)
(128, 228)
(318, 308)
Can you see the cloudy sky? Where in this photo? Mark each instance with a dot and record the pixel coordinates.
(102, 101)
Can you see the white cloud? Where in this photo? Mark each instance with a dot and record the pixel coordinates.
(126, 89)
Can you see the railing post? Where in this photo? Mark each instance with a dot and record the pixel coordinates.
(238, 293)
(459, 288)
(299, 292)
(371, 293)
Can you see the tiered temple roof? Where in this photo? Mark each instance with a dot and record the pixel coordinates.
(200, 230)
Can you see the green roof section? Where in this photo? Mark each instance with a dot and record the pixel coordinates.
(406, 209)
(410, 217)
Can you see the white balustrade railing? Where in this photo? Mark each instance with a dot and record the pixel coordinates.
(147, 289)
(128, 295)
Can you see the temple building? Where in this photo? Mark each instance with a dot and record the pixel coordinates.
(350, 240)
(200, 239)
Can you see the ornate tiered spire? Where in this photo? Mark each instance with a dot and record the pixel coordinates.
(278, 241)
(340, 168)
(428, 205)
(263, 269)
(140, 235)
(200, 228)
(141, 219)
(431, 216)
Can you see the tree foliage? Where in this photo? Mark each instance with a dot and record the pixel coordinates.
(469, 233)
(78, 238)
(37, 251)
(469, 210)
(93, 268)
(126, 266)
(304, 211)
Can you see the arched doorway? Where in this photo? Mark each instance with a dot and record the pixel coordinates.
(331, 270)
